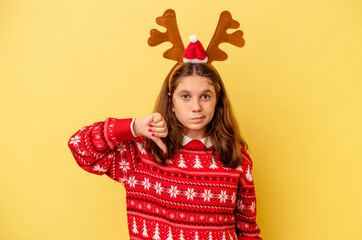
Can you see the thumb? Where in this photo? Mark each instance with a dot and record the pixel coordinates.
(160, 143)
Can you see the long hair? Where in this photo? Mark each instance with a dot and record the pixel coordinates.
(223, 129)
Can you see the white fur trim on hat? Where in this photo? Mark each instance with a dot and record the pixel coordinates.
(195, 60)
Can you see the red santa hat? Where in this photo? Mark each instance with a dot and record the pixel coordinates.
(195, 52)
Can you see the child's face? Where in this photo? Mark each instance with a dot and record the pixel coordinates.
(194, 103)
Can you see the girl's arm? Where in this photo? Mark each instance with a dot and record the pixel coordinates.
(93, 147)
(245, 211)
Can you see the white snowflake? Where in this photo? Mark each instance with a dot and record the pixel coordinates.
(252, 207)
(222, 196)
(211, 219)
(132, 181)
(248, 175)
(172, 215)
(182, 215)
(158, 188)
(141, 148)
(98, 136)
(121, 148)
(97, 168)
(123, 180)
(146, 184)
(190, 193)
(173, 191)
(202, 217)
(111, 155)
(75, 140)
(81, 153)
(240, 205)
(124, 165)
(192, 218)
(149, 206)
(207, 195)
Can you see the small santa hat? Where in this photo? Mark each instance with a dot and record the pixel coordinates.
(195, 52)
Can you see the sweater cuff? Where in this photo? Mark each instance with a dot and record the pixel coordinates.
(117, 130)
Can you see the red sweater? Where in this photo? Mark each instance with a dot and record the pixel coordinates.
(192, 197)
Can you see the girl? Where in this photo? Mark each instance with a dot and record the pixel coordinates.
(185, 167)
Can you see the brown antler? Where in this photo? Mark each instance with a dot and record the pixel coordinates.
(226, 21)
(168, 20)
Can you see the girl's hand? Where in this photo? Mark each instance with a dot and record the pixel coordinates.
(152, 126)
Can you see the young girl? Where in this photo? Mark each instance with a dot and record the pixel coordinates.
(185, 167)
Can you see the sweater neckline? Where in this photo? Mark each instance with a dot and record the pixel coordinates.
(206, 142)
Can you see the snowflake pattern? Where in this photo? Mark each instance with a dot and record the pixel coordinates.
(252, 207)
(248, 175)
(190, 193)
(203, 185)
(75, 140)
(222, 196)
(124, 165)
(240, 205)
(99, 169)
(158, 188)
(146, 183)
(132, 181)
(207, 195)
(121, 148)
(173, 191)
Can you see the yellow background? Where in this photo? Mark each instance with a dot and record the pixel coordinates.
(296, 89)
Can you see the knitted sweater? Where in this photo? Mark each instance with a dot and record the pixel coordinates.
(192, 197)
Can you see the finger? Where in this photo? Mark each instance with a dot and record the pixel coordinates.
(160, 144)
(158, 124)
(158, 135)
(157, 117)
(158, 129)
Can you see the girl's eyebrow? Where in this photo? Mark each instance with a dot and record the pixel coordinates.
(188, 92)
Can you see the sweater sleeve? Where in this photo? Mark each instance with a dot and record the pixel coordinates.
(245, 211)
(94, 146)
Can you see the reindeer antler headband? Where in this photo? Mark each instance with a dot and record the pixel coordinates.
(195, 53)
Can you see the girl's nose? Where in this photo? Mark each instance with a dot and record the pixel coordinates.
(196, 106)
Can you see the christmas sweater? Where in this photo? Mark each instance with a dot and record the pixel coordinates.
(193, 196)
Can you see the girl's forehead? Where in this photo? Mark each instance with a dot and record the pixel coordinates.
(194, 83)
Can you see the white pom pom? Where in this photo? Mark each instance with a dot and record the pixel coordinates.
(193, 38)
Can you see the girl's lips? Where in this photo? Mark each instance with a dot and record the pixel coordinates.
(198, 118)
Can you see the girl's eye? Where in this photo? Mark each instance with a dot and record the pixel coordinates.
(205, 97)
(185, 96)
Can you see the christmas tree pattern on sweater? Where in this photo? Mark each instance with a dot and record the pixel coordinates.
(193, 196)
